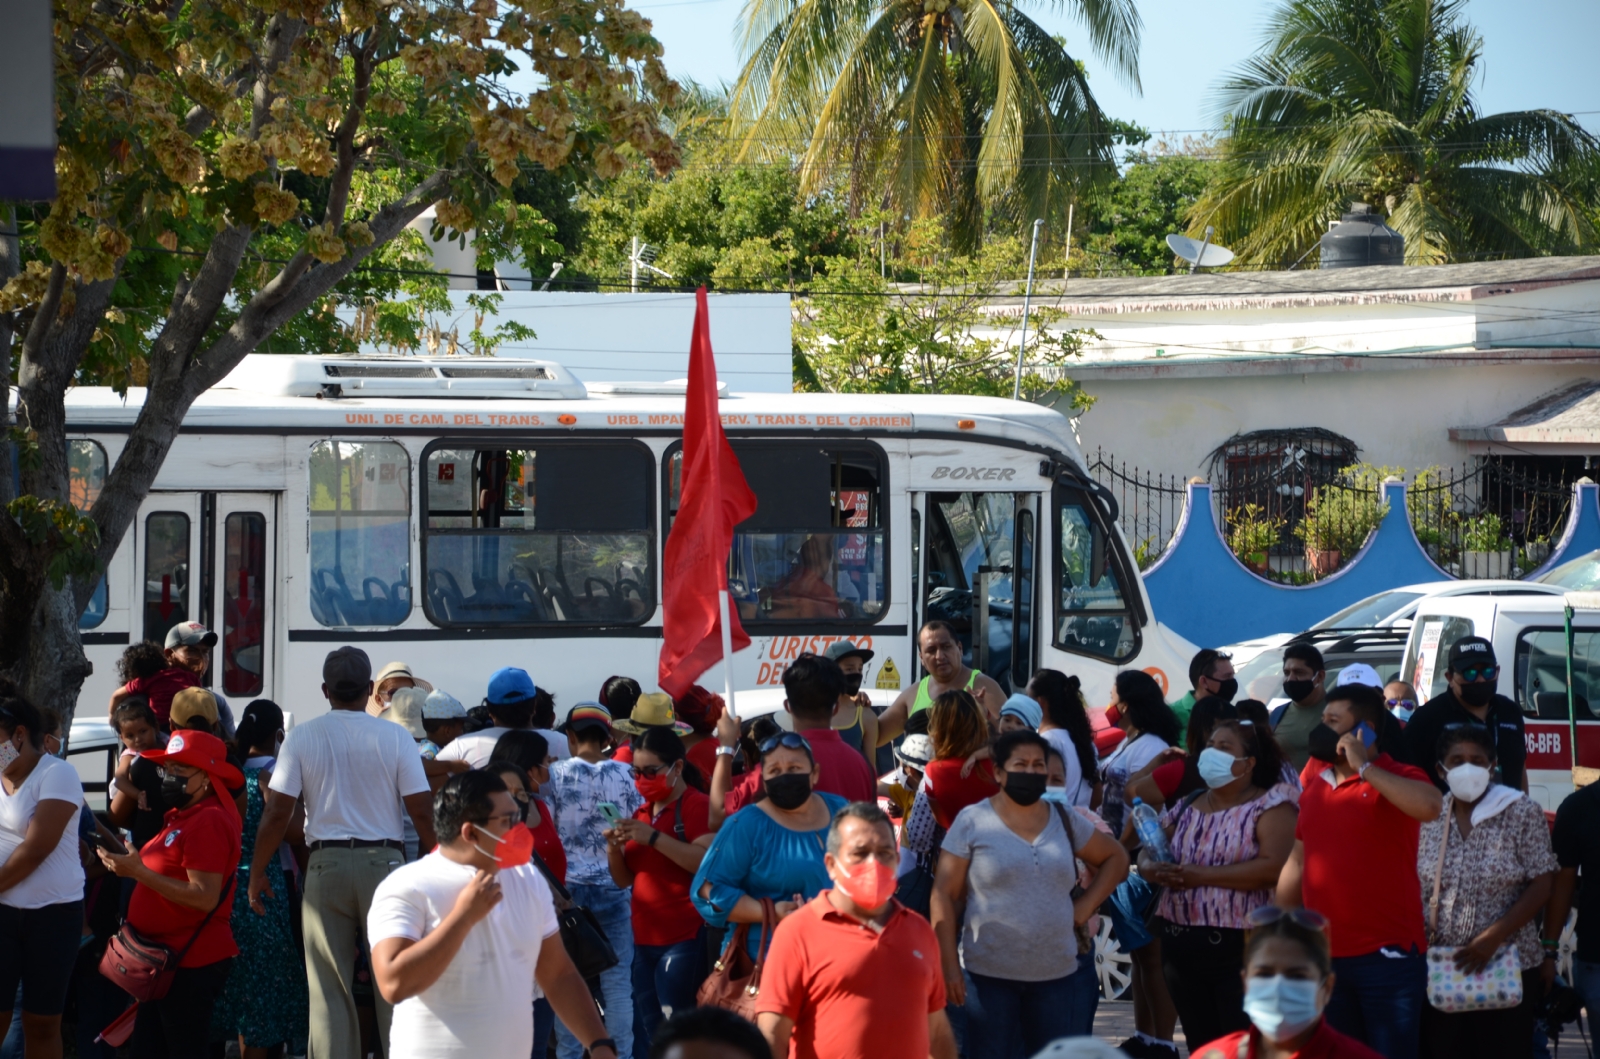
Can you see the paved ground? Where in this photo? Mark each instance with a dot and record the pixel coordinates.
(1113, 1022)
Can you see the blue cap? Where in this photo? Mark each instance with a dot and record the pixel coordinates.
(510, 685)
(1024, 707)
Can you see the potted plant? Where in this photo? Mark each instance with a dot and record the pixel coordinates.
(1485, 549)
(1338, 521)
(1251, 535)
(1536, 551)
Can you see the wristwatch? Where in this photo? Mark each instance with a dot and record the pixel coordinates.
(603, 1042)
(725, 751)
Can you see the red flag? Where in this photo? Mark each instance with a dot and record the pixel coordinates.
(713, 498)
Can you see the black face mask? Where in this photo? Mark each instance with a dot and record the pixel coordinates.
(175, 790)
(852, 682)
(1227, 689)
(1323, 744)
(1477, 693)
(1025, 788)
(790, 790)
(1299, 690)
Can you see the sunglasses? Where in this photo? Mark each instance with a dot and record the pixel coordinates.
(1479, 673)
(648, 771)
(1267, 915)
(785, 739)
(1406, 703)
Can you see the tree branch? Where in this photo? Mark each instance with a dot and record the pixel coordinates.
(344, 138)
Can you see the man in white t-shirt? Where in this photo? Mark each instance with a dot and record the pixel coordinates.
(466, 939)
(356, 774)
(511, 702)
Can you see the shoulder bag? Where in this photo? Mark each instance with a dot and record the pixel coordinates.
(735, 979)
(581, 933)
(1496, 987)
(144, 969)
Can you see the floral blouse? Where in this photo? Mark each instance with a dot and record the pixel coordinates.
(1214, 840)
(1487, 871)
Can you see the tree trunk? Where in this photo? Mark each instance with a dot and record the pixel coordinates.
(55, 667)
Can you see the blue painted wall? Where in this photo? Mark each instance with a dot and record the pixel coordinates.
(1202, 592)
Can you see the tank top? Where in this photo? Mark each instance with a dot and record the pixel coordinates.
(924, 700)
(852, 735)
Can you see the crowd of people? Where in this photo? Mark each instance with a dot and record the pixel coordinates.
(1353, 874)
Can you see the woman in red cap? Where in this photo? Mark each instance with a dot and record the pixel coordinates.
(181, 875)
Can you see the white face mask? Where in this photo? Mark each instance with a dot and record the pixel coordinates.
(1468, 782)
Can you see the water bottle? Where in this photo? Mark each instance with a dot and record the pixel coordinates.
(1147, 823)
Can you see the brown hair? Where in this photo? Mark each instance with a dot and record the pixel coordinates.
(1315, 942)
(957, 725)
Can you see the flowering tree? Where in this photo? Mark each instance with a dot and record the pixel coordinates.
(226, 169)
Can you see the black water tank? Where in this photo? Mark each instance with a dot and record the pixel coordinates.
(1361, 238)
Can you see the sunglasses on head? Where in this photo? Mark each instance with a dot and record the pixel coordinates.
(786, 739)
(1479, 672)
(1267, 915)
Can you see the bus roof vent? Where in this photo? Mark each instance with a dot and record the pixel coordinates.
(669, 388)
(371, 376)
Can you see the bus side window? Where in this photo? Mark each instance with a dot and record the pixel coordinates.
(360, 531)
(1093, 615)
(530, 536)
(1542, 673)
(86, 469)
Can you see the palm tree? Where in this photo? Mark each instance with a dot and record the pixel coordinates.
(936, 108)
(1371, 101)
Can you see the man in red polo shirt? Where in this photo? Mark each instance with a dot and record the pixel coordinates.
(1355, 861)
(854, 974)
(811, 686)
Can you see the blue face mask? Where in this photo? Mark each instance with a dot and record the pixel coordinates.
(1216, 767)
(1058, 795)
(1281, 1007)
(1402, 714)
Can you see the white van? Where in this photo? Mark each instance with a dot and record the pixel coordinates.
(1530, 641)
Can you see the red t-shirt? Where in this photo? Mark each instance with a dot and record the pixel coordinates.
(1326, 1043)
(1167, 777)
(853, 992)
(746, 790)
(950, 792)
(160, 688)
(204, 837)
(843, 771)
(1361, 862)
(662, 911)
(547, 843)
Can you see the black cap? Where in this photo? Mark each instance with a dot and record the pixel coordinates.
(347, 671)
(1471, 651)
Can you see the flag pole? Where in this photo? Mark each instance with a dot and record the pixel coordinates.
(727, 649)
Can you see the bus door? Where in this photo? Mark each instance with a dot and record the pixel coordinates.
(976, 568)
(209, 557)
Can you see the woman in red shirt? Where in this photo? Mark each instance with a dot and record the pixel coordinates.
(1288, 978)
(179, 879)
(657, 853)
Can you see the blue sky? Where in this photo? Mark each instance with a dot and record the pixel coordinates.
(1537, 53)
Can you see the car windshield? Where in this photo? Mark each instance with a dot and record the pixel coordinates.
(1261, 678)
(1370, 611)
(1580, 575)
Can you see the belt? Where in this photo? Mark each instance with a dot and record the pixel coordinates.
(358, 843)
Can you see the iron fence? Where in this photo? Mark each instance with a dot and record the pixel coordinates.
(1295, 512)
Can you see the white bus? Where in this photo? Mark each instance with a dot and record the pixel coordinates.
(463, 514)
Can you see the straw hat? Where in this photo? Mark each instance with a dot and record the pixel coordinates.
(653, 710)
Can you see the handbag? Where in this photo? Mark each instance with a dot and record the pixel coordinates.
(144, 969)
(735, 979)
(1452, 990)
(581, 933)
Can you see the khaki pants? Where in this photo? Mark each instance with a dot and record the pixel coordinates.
(339, 888)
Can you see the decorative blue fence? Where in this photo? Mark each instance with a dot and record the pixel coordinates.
(1202, 592)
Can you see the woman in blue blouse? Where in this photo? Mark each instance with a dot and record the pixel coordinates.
(770, 849)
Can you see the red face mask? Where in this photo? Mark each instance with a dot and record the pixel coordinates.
(869, 884)
(1113, 715)
(654, 788)
(512, 849)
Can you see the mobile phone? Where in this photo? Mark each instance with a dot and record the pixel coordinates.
(610, 812)
(111, 845)
(1368, 736)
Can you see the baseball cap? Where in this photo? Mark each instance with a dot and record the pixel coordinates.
(1471, 650)
(1024, 707)
(203, 751)
(510, 685)
(845, 648)
(191, 703)
(442, 706)
(405, 709)
(190, 634)
(346, 671)
(915, 750)
(1359, 673)
(586, 715)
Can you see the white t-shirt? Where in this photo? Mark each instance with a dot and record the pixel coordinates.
(475, 747)
(1080, 789)
(353, 769)
(59, 878)
(473, 1009)
(1131, 757)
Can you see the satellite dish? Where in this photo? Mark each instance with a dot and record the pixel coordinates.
(1199, 254)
